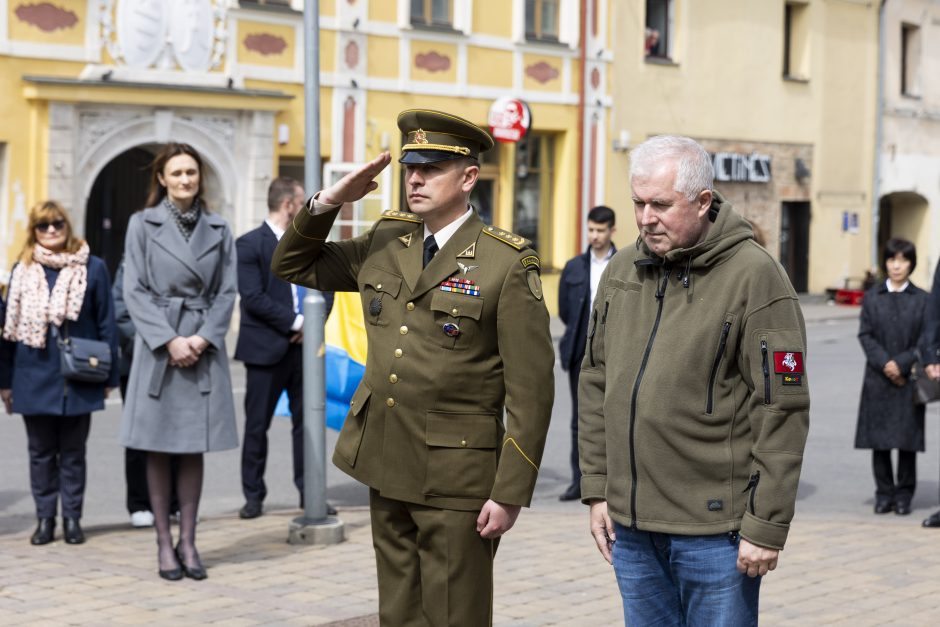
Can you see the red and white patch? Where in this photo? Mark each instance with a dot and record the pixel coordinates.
(788, 362)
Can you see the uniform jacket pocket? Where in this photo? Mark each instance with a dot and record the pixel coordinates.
(456, 318)
(462, 454)
(347, 446)
(378, 288)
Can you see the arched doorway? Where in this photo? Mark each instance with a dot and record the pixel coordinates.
(120, 189)
(904, 214)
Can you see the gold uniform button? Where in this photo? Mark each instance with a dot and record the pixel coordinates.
(379, 286)
(398, 352)
(390, 402)
(403, 330)
(393, 378)
(410, 306)
(454, 311)
(463, 443)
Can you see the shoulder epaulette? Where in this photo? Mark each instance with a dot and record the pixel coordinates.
(516, 241)
(401, 215)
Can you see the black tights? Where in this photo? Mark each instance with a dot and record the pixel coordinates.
(188, 491)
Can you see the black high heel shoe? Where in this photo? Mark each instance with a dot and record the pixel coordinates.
(171, 574)
(193, 572)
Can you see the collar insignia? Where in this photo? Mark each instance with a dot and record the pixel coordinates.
(470, 252)
(406, 239)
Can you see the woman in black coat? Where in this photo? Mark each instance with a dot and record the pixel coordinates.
(891, 330)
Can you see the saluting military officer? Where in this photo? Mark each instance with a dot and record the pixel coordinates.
(448, 424)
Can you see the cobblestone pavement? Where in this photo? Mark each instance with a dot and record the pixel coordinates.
(848, 570)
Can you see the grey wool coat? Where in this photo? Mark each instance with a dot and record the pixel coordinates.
(891, 327)
(174, 287)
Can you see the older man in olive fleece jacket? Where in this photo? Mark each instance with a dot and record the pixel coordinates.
(694, 375)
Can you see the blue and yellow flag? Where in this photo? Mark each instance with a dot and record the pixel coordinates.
(346, 343)
(346, 348)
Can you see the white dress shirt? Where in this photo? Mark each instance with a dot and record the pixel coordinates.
(597, 268)
(299, 319)
(900, 289)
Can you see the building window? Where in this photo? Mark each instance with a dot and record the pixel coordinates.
(796, 41)
(541, 19)
(910, 60)
(660, 18)
(432, 13)
(279, 4)
(535, 176)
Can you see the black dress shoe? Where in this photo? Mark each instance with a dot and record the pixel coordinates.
(932, 521)
(193, 572)
(902, 508)
(573, 493)
(72, 531)
(883, 506)
(252, 509)
(45, 531)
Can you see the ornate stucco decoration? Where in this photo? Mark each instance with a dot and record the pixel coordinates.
(165, 34)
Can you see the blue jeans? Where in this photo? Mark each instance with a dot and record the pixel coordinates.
(667, 579)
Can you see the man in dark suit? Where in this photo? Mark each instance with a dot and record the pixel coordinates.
(270, 341)
(576, 292)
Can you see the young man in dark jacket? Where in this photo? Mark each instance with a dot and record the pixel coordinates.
(694, 380)
(576, 292)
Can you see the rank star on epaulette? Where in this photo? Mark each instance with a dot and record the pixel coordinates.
(506, 237)
(401, 215)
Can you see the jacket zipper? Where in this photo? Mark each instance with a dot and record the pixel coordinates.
(752, 486)
(766, 368)
(660, 296)
(722, 341)
(591, 339)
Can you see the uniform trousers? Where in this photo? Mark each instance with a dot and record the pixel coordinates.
(433, 567)
(262, 390)
(57, 462)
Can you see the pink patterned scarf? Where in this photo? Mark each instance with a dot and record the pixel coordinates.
(31, 307)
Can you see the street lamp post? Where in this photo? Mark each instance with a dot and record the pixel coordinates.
(315, 526)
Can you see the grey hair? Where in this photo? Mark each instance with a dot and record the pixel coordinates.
(694, 170)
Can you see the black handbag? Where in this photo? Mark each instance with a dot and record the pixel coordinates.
(82, 359)
(926, 389)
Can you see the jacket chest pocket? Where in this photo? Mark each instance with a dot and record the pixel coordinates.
(456, 319)
(379, 288)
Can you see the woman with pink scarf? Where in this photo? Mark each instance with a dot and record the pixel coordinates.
(56, 289)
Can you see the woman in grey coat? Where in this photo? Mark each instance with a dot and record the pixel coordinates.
(891, 331)
(179, 287)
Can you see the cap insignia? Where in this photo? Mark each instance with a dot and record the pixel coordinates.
(420, 137)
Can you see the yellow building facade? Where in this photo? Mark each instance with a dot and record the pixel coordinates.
(90, 88)
(782, 93)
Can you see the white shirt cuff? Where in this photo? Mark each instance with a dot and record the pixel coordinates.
(315, 207)
(298, 323)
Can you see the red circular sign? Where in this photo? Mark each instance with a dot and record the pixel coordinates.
(509, 120)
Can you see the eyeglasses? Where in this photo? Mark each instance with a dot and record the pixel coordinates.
(57, 225)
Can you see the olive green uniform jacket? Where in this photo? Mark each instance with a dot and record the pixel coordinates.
(441, 420)
(694, 402)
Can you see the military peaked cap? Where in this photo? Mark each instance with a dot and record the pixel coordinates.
(437, 136)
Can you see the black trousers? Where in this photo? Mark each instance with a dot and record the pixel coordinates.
(57, 462)
(263, 387)
(885, 484)
(573, 374)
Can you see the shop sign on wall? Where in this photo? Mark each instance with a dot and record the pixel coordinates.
(740, 168)
(509, 120)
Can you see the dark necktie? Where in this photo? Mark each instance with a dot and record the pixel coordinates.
(430, 249)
